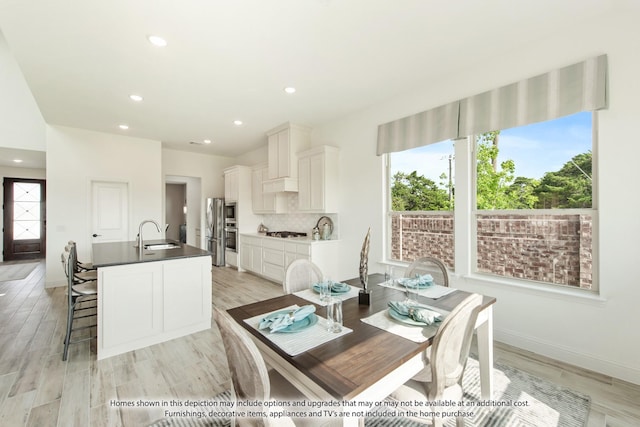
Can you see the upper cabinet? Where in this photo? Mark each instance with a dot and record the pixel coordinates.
(262, 202)
(318, 170)
(284, 142)
(231, 184)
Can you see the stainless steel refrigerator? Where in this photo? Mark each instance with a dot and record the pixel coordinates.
(215, 230)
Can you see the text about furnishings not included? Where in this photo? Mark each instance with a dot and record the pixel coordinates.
(210, 408)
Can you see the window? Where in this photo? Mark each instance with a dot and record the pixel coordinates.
(534, 202)
(533, 212)
(26, 211)
(421, 203)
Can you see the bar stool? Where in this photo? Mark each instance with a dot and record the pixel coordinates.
(80, 274)
(81, 301)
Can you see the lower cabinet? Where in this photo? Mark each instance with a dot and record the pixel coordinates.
(151, 302)
(250, 254)
(270, 257)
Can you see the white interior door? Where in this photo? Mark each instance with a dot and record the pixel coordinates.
(110, 211)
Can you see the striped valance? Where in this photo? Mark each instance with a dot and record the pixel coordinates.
(438, 124)
(569, 90)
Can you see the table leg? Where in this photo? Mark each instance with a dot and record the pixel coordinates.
(484, 329)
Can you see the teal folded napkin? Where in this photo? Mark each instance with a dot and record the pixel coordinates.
(280, 320)
(336, 287)
(423, 281)
(416, 313)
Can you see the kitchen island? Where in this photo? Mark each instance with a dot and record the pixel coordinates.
(150, 297)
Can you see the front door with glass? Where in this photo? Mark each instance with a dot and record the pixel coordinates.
(24, 219)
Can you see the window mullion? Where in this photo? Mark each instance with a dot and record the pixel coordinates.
(464, 207)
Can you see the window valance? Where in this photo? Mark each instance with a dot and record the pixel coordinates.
(569, 90)
(424, 128)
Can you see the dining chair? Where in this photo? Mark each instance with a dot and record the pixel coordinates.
(429, 265)
(445, 361)
(81, 303)
(250, 378)
(300, 275)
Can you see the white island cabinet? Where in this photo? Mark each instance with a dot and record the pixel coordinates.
(149, 299)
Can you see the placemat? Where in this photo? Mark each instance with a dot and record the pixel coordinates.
(298, 342)
(383, 321)
(433, 291)
(314, 297)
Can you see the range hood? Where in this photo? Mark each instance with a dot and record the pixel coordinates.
(280, 185)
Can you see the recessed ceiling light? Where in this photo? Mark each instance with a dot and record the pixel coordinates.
(136, 98)
(123, 127)
(237, 122)
(157, 41)
(290, 89)
(17, 160)
(207, 141)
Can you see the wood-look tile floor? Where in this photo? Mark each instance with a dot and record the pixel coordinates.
(38, 389)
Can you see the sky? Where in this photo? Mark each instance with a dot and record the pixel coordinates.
(535, 149)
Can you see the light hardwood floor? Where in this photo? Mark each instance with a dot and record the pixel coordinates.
(38, 389)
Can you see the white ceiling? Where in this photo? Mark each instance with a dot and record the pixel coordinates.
(228, 60)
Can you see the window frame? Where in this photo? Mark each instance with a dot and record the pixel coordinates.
(466, 213)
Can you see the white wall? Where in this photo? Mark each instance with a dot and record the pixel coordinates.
(75, 157)
(187, 167)
(596, 333)
(21, 123)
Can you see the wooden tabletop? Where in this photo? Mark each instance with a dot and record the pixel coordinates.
(347, 365)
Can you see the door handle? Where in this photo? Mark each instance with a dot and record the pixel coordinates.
(96, 235)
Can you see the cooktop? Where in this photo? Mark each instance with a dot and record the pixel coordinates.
(285, 234)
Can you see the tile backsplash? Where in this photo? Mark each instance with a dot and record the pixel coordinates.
(298, 221)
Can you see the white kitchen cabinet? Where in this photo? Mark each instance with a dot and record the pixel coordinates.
(284, 142)
(278, 253)
(251, 254)
(238, 183)
(318, 180)
(147, 303)
(265, 202)
(231, 184)
(273, 259)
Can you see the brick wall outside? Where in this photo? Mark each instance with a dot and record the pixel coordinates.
(546, 248)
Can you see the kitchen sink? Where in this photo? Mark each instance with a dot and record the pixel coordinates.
(160, 246)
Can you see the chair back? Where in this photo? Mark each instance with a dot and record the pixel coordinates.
(450, 349)
(300, 275)
(429, 265)
(249, 375)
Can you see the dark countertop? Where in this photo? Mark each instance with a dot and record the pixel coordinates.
(120, 253)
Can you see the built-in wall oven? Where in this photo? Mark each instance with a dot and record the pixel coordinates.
(231, 226)
(231, 238)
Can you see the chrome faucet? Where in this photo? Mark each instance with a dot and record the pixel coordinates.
(140, 239)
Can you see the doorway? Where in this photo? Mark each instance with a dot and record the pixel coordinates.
(176, 212)
(24, 219)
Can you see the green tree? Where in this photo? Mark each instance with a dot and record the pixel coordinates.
(522, 193)
(570, 187)
(413, 192)
(493, 183)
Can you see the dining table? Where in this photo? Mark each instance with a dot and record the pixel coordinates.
(368, 363)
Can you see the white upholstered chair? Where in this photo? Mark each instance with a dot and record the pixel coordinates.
(429, 265)
(300, 275)
(250, 378)
(445, 361)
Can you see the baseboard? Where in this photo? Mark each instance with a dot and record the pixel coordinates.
(568, 355)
